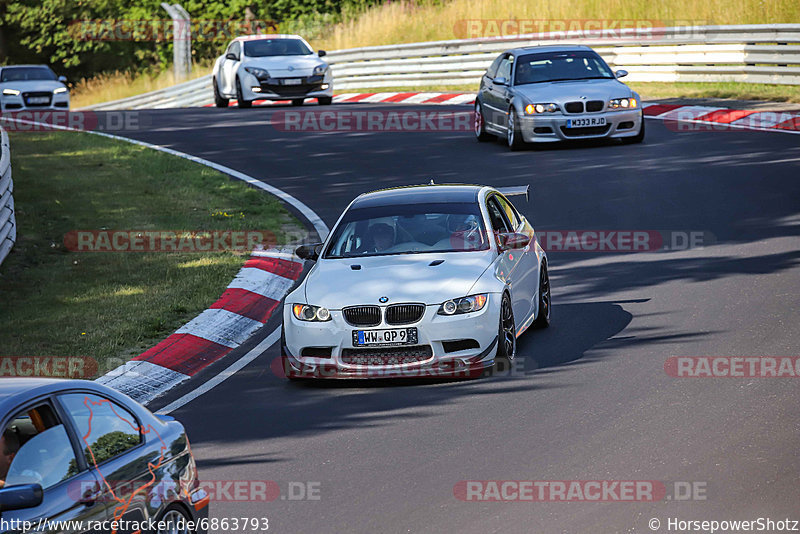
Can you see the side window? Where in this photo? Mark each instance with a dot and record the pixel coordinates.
(236, 48)
(105, 428)
(511, 213)
(492, 70)
(504, 70)
(496, 217)
(35, 449)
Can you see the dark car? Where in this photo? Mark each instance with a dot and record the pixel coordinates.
(74, 450)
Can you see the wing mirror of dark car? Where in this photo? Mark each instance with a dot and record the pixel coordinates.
(20, 496)
(309, 252)
(231, 55)
(513, 240)
(321, 53)
(501, 80)
(62, 79)
(621, 73)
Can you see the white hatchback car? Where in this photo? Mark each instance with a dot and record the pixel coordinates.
(419, 281)
(271, 67)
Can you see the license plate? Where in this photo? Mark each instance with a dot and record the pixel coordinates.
(38, 100)
(292, 81)
(395, 336)
(588, 122)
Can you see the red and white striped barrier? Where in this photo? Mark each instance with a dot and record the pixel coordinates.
(245, 306)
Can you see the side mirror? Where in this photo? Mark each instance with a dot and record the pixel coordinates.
(309, 252)
(501, 80)
(512, 240)
(621, 73)
(321, 53)
(21, 496)
(62, 79)
(231, 55)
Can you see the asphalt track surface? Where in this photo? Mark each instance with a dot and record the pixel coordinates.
(594, 401)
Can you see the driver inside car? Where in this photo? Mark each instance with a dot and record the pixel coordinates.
(9, 445)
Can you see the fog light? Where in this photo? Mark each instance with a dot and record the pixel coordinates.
(324, 86)
(255, 89)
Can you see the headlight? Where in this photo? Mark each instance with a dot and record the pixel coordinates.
(469, 304)
(60, 90)
(261, 74)
(320, 69)
(622, 103)
(10, 92)
(531, 109)
(307, 312)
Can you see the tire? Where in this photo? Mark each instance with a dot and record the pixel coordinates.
(218, 100)
(479, 125)
(298, 101)
(638, 138)
(175, 516)
(545, 304)
(240, 101)
(513, 137)
(325, 100)
(507, 333)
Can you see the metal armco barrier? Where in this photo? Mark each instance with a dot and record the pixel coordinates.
(8, 226)
(763, 53)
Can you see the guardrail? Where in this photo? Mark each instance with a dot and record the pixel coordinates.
(762, 53)
(8, 226)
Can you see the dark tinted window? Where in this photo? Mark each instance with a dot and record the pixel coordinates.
(555, 66)
(105, 428)
(496, 216)
(510, 211)
(492, 70)
(408, 229)
(276, 47)
(16, 74)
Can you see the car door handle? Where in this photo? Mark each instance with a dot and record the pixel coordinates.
(91, 495)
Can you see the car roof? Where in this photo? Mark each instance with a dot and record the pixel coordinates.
(548, 48)
(261, 36)
(412, 194)
(15, 66)
(14, 391)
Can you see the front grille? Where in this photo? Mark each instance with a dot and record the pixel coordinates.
(594, 105)
(585, 132)
(404, 313)
(574, 107)
(362, 315)
(278, 86)
(387, 355)
(316, 352)
(38, 94)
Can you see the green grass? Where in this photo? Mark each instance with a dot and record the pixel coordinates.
(648, 90)
(112, 306)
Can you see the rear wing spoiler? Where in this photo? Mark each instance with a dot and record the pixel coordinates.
(516, 190)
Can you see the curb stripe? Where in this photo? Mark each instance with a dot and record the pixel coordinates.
(264, 283)
(221, 327)
(280, 266)
(653, 110)
(247, 304)
(143, 381)
(725, 116)
(184, 353)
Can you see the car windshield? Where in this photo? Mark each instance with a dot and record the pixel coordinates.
(408, 229)
(276, 47)
(24, 74)
(560, 66)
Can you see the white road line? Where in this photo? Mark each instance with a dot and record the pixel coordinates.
(234, 368)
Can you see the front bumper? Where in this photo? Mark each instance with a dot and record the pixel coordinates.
(437, 338)
(21, 102)
(285, 89)
(543, 128)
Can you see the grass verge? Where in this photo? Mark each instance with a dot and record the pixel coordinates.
(113, 305)
(648, 90)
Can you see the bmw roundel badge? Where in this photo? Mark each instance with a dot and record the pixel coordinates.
(383, 300)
